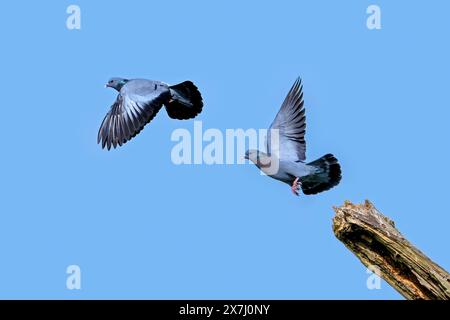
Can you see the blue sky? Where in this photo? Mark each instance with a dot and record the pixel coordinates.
(141, 227)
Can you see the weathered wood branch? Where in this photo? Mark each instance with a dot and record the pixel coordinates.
(373, 238)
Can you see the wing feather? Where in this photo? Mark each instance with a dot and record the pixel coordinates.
(291, 125)
(130, 113)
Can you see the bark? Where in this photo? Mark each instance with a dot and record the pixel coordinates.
(374, 239)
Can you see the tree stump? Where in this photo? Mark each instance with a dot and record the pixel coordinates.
(373, 238)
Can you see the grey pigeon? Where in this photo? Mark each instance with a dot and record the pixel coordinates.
(314, 177)
(138, 102)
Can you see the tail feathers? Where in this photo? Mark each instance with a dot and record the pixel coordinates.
(186, 101)
(326, 176)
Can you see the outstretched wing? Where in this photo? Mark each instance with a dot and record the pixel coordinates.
(132, 110)
(291, 124)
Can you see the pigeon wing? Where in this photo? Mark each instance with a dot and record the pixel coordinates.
(291, 124)
(134, 107)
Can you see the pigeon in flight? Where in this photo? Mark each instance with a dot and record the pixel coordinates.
(137, 103)
(289, 151)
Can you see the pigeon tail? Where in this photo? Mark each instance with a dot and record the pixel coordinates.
(326, 176)
(186, 101)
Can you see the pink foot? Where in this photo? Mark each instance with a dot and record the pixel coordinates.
(296, 187)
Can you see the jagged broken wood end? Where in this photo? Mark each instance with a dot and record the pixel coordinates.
(375, 240)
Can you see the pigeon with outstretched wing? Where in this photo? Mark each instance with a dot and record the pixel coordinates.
(289, 150)
(137, 103)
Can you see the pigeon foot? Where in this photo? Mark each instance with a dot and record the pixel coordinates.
(296, 186)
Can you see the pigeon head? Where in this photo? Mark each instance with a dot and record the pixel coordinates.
(251, 155)
(259, 158)
(116, 83)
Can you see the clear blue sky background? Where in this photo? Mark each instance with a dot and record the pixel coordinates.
(141, 227)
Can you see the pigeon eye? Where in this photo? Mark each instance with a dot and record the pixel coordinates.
(110, 81)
